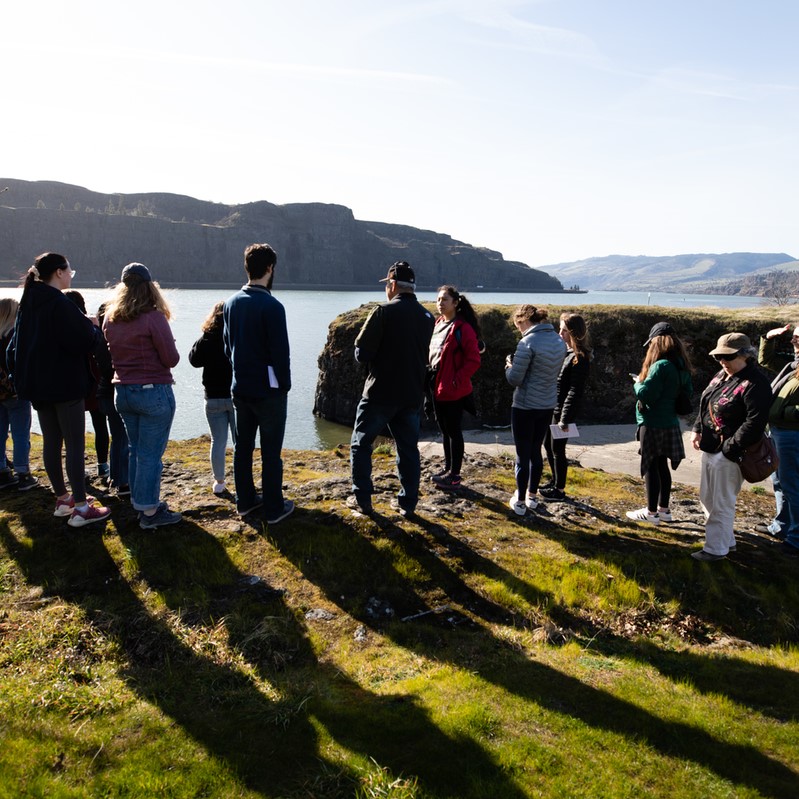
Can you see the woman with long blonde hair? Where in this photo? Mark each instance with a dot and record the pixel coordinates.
(665, 372)
(143, 352)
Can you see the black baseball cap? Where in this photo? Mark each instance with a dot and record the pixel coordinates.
(401, 272)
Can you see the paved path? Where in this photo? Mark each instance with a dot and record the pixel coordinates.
(612, 448)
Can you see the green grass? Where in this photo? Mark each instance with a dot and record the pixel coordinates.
(464, 654)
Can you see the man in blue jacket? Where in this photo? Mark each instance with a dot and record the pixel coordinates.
(394, 343)
(257, 343)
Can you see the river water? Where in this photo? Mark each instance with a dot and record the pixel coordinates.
(309, 313)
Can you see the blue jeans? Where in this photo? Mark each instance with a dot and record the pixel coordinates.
(119, 451)
(147, 411)
(529, 429)
(780, 520)
(221, 417)
(16, 415)
(266, 416)
(787, 442)
(403, 424)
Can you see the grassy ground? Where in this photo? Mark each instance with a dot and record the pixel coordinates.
(464, 653)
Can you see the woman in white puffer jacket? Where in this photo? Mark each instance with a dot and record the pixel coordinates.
(533, 372)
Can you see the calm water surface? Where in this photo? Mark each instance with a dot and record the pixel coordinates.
(309, 313)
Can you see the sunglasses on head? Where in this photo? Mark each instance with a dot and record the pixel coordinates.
(723, 357)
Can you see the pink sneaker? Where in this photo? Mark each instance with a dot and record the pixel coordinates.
(64, 507)
(91, 514)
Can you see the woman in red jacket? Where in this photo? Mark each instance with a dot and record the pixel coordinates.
(454, 358)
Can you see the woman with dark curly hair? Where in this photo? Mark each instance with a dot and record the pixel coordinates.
(454, 358)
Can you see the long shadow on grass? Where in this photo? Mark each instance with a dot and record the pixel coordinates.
(533, 681)
(722, 593)
(272, 745)
(751, 684)
(215, 704)
(187, 562)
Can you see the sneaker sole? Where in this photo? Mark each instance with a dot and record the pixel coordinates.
(645, 521)
(83, 522)
(250, 510)
(151, 526)
(282, 516)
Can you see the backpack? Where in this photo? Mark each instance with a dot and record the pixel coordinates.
(683, 403)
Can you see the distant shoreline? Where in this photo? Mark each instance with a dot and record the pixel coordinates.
(232, 286)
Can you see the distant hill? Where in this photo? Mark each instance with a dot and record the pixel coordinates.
(665, 273)
(780, 284)
(190, 242)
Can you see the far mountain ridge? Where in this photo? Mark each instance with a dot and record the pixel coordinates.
(191, 242)
(665, 272)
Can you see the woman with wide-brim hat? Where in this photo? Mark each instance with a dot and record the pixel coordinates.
(733, 413)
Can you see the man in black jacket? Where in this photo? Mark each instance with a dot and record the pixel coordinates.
(394, 343)
(781, 356)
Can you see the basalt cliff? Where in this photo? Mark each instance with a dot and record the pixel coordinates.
(193, 243)
(617, 337)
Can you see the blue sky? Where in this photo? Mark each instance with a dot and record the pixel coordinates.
(550, 130)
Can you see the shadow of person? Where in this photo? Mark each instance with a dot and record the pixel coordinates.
(192, 572)
(215, 703)
(536, 682)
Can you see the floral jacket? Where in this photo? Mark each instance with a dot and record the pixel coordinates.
(733, 411)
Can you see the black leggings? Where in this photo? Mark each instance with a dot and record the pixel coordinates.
(448, 416)
(529, 429)
(658, 483)
(64, 427)
(556, 457)
(101, 438)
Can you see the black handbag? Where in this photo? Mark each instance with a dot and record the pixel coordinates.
(759, 460)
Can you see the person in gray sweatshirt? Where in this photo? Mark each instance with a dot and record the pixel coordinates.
(533, 372)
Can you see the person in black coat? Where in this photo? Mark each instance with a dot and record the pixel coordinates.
(208, 353)
(48, 358)
(571, 384)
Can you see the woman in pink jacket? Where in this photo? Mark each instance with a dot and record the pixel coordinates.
(143, 350)
(454, 358)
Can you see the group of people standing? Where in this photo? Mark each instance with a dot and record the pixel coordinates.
(408, 354)
(49, 345)
(735, 409)
(54, 356)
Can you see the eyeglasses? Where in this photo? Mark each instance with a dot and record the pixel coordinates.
(724, 357)
(71, 271)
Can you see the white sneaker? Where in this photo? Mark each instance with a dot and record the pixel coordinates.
(664, 514)
(531, 501)
(516, 505)
(643, 515)
(219, 488)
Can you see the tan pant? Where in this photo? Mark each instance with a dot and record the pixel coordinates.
(719, 484)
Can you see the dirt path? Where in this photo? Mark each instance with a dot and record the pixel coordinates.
(612, 448)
